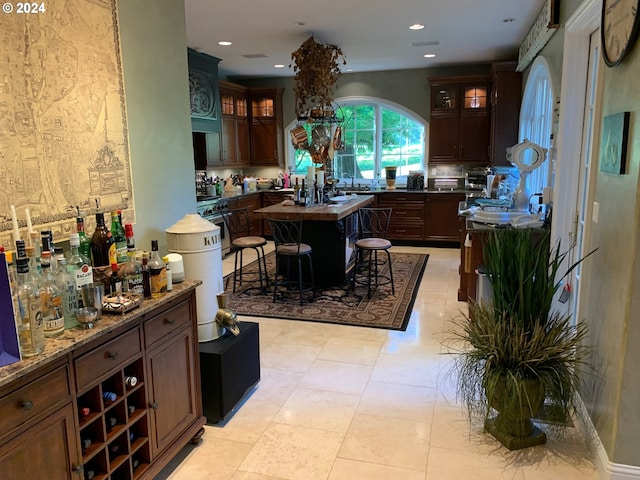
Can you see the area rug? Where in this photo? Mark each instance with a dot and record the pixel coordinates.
(336, 304)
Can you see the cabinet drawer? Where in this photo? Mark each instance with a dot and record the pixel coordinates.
(403, 213)
(396, 199)
(406, 231)
(107, 357)
(162, 325)
(30, 401)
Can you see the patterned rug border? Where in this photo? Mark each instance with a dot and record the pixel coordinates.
(396, 308)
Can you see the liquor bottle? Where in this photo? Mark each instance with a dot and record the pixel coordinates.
(31, 326)
(132, 281)
(296, 192)
(85, 243)
(157, 272)
(51, 302)
(118, 237)
(34, 275)
(52, 248)
(146, 281)
(79, 266)
(67, 285)
(103, 247)
(304, 194)
(115, 281)
(34, 241)
(131, 241)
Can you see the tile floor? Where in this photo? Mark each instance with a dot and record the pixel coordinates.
(350, 403)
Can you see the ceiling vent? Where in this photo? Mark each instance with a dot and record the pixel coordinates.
(255, 55)
(425, 44)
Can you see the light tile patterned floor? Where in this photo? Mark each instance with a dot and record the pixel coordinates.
(350, 403)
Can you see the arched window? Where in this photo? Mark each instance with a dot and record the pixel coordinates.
(536, 119)
(376, 133)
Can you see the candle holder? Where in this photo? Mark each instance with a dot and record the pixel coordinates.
(390, 174)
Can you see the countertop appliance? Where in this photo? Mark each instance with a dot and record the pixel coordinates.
(211, 209)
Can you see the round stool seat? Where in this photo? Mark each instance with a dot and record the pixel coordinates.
(373, 243)
(249, 242)
(294, 250)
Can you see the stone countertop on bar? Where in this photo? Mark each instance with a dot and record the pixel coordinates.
(322, 213)
(73, 338)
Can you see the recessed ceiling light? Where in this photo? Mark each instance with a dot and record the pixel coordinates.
(278, 65)
(508, 20)
(224, 43)
(298, 23)
(429, 55)
(416, 26)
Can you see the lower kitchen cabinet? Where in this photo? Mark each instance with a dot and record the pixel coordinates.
(117, 402)
(441, 217)
(46, 449)
(251, 203)
(407, 217)
(270, 198)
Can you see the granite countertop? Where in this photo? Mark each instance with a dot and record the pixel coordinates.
(73, 338)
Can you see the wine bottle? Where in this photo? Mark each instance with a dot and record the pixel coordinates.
(86, 443)
(109, 396)
(296, 192)
(89, 474)
(157, 272)
(51, 301)
(103, 247)
(118, 237)
(111, 422)
(131, 409)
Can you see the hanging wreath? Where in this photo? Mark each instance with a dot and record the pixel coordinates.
(317, 69)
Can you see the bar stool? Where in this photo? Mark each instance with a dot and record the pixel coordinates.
(287, 236)
(374, 225)
(237, 222)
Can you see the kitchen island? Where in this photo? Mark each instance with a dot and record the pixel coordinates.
(331, 230)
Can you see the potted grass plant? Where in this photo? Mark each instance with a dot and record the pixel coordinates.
(516, 352)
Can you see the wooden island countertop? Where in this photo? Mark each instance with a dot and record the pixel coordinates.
(321, 213)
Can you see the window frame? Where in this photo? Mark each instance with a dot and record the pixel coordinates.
(378, 104)
(537, 120)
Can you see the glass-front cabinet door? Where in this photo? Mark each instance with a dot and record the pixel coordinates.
(444, 97)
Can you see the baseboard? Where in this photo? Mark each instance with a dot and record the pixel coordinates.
(606, 470)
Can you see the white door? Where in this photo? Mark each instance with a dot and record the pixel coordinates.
(588, 167)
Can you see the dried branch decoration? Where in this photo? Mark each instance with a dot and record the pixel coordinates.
(317, 69)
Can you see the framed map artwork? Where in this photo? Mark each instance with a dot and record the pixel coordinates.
(63, 128)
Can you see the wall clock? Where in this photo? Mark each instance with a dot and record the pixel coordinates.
(619, 29)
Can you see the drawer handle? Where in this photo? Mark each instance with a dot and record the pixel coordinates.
(170, 321)
(400, 230)
(112, 355)
(154, 406)
(27, 405)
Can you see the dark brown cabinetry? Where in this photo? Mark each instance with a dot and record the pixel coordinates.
(251, 203)
(459, 123)
(441, 217)
(127, 429)
(407, 217)
(266, 126)
(37, 428)
(206, 150)
(235, 146)
(506, 97)
(270, 198)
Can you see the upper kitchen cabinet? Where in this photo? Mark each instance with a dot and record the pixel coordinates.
(459, 124)
(236, 144)
(203, 92)
(506, 97)
(267, 147)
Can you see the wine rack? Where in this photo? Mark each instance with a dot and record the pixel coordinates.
(114, 425)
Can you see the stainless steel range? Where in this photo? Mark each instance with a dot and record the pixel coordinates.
(211, 208)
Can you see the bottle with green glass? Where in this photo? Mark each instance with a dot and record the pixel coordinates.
(85, 243)
(119, 237)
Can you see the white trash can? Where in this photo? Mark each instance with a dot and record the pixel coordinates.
(199, 243)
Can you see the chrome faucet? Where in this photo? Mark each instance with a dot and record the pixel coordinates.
(352, 177)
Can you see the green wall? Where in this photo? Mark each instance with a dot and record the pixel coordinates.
(154, 57)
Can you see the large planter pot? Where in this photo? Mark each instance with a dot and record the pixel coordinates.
(516, 402)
